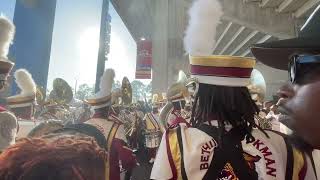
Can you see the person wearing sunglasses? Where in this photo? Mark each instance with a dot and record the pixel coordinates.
(301, 58)
(301, 96)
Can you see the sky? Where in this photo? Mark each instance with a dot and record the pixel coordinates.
(74, 49)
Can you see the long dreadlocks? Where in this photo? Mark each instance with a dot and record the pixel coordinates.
(227, 105)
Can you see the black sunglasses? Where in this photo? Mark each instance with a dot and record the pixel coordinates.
(296, 65)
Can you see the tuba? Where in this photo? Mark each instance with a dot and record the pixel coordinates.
(126, 90)
(165, 113)
(62, 93)
(257, 87)
(56, 107)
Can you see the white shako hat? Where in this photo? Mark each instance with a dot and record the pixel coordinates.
(199, 43)
(103, 97)
(22, 104)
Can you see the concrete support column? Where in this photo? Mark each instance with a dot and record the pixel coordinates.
(169, 22)
(177, 59)
(160, 46)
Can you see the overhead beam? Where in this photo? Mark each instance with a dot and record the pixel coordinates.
(305, 8)
(222, 35)
(235, 36)
(245, 41)
(245, 53)
(263, 20)
(264, 3)
(249, 1)
(133, 18)
(262, 40)
(284, 5)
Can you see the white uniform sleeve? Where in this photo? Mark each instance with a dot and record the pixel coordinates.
(316, 158)
(161, 168)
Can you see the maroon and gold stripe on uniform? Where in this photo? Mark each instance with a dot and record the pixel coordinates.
(175, 154)
(111, 136)
(299, 165)
(151, 122)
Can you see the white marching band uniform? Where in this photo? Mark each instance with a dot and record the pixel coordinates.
(268, 156)
(188, 153)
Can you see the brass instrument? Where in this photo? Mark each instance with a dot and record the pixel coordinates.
(62, 93)
(165, 113)
(115, 95)
(126, 90)
(257, 87)
(56, 106)
(40, 96)
(192, 85)
(132, 125)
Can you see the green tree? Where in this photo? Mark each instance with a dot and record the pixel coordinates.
(84, 91)
(137, 90)
(140, 91)
(148, 90)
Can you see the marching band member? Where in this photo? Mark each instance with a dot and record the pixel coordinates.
(222, 142)
(8, 121)
(299, 102)
(112, 128)
(153, 130)
(155, 112)
(171, 114)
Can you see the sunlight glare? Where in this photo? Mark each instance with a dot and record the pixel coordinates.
(88, 44)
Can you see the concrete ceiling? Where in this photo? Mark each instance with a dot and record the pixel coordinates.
(244, 23)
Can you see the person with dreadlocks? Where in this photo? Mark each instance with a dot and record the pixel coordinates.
(223, 141)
